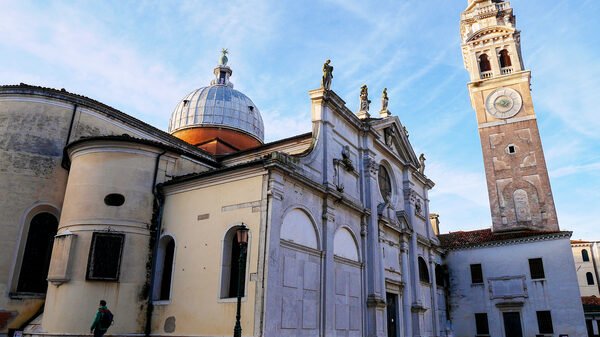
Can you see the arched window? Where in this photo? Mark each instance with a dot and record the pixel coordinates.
(484, 63)
(36, 257)
(505, 59)
(590, 278)
(164, 269)
(230, 266)
(385, 183)
(423, 271)
(585, 256)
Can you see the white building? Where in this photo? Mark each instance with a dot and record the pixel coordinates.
(587, 264)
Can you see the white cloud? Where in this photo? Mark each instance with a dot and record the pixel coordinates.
(455, 181)
(89, 57)
(574, 169)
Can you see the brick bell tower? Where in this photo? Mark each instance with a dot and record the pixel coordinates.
(515, 168)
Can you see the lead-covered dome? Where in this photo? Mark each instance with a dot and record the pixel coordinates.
(218, 118)
(218, 105)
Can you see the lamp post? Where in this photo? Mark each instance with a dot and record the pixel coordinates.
(242, 240)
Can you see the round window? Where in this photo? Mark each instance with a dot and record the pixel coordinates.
(114, 199)
(385, 184)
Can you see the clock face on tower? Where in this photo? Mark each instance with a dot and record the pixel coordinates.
(503, 103)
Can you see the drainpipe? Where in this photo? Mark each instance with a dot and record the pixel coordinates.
(64, 158)
(157, 223)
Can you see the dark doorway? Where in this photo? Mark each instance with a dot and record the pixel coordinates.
(36, 257)
(512, 324)
(392, 314)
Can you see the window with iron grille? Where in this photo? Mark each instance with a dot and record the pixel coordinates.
(536, 269)
(476, 274)
(545, 322)
(104, 261)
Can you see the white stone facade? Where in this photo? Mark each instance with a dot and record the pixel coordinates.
(508, 286)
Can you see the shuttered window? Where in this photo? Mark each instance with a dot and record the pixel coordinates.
(545, 322)
(536, 269)
(104, 262)
(476, 274)
(481, 324)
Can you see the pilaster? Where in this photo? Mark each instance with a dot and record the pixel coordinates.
(328, 268)
(374, 265)
(407, 290)
(434, 298)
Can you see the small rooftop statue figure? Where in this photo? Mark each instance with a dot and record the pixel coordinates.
(422, 163)
(384, 100)
(327, 75)
(364, 98)
(224, 58)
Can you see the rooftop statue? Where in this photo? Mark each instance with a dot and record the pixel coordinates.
(384, 100)
(364, 98)
(422, 163)
(327, 75)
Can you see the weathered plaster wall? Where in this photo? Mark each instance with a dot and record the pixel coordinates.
(198, 216)
(34, 124)
(558, 292)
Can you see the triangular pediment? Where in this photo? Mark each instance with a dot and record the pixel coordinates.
(393, 134)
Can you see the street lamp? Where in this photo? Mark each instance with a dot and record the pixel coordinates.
(242, 240)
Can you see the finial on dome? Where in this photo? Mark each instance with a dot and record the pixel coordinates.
(224, 58)
(222, 71)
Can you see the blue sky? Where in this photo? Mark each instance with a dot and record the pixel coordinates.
(142, 57)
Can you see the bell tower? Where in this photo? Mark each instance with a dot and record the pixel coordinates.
(515, 168)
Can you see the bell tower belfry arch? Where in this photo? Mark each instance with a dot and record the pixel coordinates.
(516, 173)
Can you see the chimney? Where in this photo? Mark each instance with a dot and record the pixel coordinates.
(434, 218)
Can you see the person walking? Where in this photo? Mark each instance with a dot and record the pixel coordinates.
(102, 320)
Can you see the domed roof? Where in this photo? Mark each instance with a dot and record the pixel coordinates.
(218, 105)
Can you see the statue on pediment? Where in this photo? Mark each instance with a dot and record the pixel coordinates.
(364, 98)
(422, 163)
(327, 75)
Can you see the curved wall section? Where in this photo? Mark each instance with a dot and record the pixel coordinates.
(109, 250)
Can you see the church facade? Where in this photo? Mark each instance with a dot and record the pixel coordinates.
(110, 208)
(340, 239)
